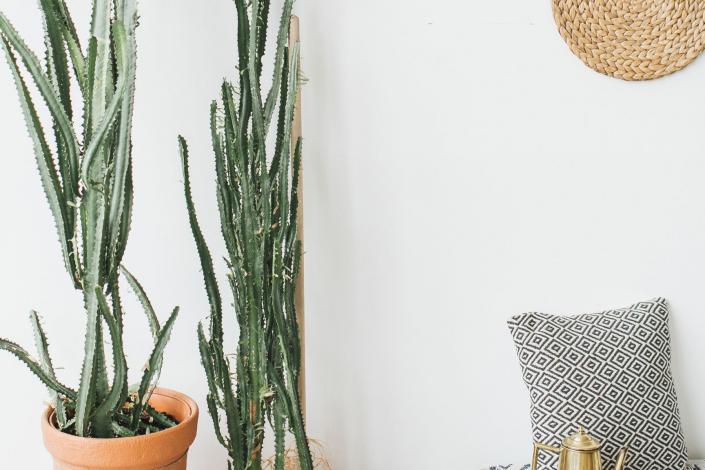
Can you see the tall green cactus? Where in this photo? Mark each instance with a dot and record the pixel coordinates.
(88, 184)
(257, 199)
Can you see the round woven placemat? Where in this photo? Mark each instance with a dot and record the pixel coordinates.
(633, 39)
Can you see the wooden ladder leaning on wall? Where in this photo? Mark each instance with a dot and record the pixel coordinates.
(296, 131)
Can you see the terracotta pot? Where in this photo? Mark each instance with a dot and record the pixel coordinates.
(163, 450)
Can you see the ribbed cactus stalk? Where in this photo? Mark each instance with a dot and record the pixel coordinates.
(257, 199)
(87, 179)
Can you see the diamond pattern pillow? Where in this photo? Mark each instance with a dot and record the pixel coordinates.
(693, 465)
(609, 372)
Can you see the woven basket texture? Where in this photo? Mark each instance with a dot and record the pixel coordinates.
(633, 39)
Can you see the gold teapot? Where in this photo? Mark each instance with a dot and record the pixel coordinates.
(578, 452)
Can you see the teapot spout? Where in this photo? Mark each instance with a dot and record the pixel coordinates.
(621, 459)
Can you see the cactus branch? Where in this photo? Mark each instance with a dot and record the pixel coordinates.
(144, 300)
(36, 368)
(203, 251)
(118, 390)
(43, 83)
(45, 163)
(256, 195)
(89, 188)
(152, 368)
(42, 345)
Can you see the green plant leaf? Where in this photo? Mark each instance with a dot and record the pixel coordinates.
(42, 345)
(94, 252)
(58, 72)
(207, 362)
(36, 368)
(45, 164)
(118, 391)
(57, 61)
(213, 399)
(99, 62)
(144, 300)
(100, 131)
(203, 251)
(121, 431)
(279, 61)
(152, 369)
(120, 200)
(43, 83)
(258, 127)
(160, 418)
(73, 44)
(279, 434)
(215, 417)
(123, 231)
(225, 200)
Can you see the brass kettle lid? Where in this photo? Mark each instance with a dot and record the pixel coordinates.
(581, 441)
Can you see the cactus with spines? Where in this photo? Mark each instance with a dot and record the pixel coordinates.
(257, 201)
(87, 178)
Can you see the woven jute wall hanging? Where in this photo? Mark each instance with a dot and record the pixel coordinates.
(633, 39)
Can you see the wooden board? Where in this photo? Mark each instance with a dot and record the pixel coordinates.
(296, 131)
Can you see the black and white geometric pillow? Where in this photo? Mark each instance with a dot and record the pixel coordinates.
(609, 372)
(693, 465)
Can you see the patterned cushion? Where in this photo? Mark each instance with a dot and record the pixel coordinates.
(696, 465)
(511, 467)
(609, 372)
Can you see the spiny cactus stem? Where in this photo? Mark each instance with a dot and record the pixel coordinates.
(257, 207)
(88, 186)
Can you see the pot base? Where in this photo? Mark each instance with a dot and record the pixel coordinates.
(178, 465)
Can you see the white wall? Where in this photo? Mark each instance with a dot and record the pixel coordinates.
(461, 166)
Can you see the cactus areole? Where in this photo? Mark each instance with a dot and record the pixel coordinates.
(86, 173)
(256, 388)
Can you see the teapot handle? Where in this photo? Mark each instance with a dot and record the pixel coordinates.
(537, 447)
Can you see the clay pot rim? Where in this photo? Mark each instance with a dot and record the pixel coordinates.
(48, 422)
